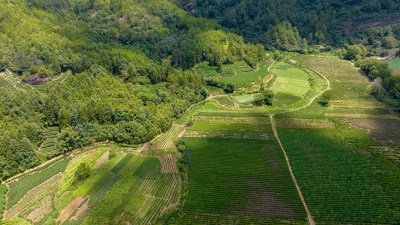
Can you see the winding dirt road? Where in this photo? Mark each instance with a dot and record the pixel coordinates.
(310, 219)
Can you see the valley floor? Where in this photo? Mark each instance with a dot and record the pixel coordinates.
(296, 162)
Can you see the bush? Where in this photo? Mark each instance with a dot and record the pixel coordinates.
(325, 98)
(83, 172)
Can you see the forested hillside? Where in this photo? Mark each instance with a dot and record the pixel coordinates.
(109, 70)
(319, 22)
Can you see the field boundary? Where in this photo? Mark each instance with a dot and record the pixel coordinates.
(310, 219)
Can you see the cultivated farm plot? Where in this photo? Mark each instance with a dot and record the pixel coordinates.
(245, 77)
(166, 140)
(147, 187)
(50, 144)
(333, 155)
(10, 82)
(340, 183)
(290, 85)
(21, 186)
(225, 101)
(241, 177)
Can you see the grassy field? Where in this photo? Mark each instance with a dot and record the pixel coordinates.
(245, 78)
(290, 85)
(240, 74)
(393, 63)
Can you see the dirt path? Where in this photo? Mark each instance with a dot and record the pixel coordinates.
(310, 219)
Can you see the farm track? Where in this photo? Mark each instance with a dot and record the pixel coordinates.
(310, 219)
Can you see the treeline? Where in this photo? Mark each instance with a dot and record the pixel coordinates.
(320, 22)
(386, 87)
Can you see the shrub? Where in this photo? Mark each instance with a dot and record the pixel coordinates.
(83, 172)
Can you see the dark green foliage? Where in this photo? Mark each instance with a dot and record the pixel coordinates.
(24, 184)
(186, 156)
(325, 98)
(354, 52)
(285, 37)
(374, 68)
(228, 88)
(3, 191)
(83, 172)
(265, 97)
(320, 22)
(122, 163)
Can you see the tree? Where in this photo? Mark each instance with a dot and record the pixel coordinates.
(83, 172)
(374, 68)
(390, 42)
(265, 97)
(354, 52)
(325, 98)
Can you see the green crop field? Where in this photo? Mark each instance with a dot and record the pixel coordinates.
(240, 177)
(3, 191)
(24, 184)
(339, 182)
(245, 99)
(290, 85)
(245, 78)
(225, 101)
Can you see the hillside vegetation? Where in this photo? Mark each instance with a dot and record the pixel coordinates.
(111, 71)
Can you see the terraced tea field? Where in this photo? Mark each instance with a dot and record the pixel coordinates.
(238, 163)
(10, 82)
(124, 186)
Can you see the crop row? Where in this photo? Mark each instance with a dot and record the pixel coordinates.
(240, 176)
(122, 163)
(338, 182)
(23, 185)
(166, 140)
(33, 196)
(3, 191)
(166, 194)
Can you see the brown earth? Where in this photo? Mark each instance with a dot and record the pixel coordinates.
(69, 209)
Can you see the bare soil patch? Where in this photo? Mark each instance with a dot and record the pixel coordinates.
(81, 210)
(45, 208)
(69, 209)
(168, 164)
(102, 160)
(35, 79)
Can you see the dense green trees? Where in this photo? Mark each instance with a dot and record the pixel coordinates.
(386, 87)
(320, 22)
